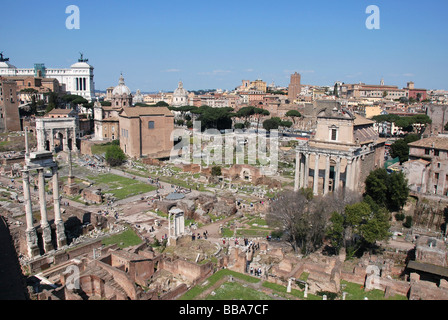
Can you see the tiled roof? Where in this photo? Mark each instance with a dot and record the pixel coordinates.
(432, 142)
(360, 120)
(132, 112)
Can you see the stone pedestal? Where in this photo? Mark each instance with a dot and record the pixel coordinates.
(60, 234)
(31, 240)
(71, 189)
(46, 237)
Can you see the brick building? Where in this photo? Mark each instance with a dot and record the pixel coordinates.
(146, 131)
(9, 106)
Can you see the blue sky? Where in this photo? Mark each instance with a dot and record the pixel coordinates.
(216, 44)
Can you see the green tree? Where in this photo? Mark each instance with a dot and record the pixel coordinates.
(245, 113)
(390, 191)
(335, 232)
(217, 118)
(216, 171)
(260, 112)
(114, 155)
(162, 104)
(286, 124)
(293, 114)
(239, 126)
(271, 124)
(400, 147)
(398, 191)
(376, 186)
(408, 222)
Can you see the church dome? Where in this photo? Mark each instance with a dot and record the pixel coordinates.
(180, 91)
(121, 88)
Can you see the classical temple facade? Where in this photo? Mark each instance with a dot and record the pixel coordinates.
(340, 154)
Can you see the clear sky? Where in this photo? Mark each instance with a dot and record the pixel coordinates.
(216, 44)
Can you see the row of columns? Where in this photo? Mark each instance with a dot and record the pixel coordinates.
(352, 175)
(178, 224)
(81, 84)
(33, 249)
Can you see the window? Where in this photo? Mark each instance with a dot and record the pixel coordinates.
(436, 153)
(151, 125)
(427, 151)
(334, 134)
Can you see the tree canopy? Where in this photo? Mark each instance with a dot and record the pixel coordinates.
(214, 118)
(359, 226)
(387, 190)
(114, 155)
(293, 114)
(416, 123)
(400, 147)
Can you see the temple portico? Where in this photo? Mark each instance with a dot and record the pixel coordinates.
(327, 170)
(40, 161)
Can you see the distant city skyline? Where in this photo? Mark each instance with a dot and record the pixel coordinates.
(211, 45)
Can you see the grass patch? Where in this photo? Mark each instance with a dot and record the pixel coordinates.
(234, 290)
(252, 233)
(356, 292)
(258, 221)
(281, 291)
(121, 187)
(125, 239)
(227, 233)
(198, 289)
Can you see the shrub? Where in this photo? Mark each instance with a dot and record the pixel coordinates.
(216, 171)
(115, 156)
(408, 222)
(399, 216)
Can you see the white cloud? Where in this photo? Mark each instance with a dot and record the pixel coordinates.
(409, 75)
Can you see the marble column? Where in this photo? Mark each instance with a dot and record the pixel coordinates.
(65, 139)
(348, 174)
(169, 225)
(51, 140)
(327, 174)
(45, 226)
(316, 175)
(355, 173)
(297, 177)
(181, 224)
(61, 239)
(41, 139)
(306, 170)
(337, 174)
(31, 235)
